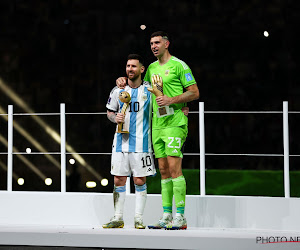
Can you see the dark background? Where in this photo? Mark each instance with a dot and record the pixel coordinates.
(72, 52)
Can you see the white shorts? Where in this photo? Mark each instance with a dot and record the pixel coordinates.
(137, 164)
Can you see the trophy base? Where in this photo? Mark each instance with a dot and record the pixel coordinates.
(164, 111)
(122, 132)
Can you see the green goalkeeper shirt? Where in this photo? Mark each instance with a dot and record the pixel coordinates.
(176, 76)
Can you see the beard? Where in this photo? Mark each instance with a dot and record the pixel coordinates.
(132, 77)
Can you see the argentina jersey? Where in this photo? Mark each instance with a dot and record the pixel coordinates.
(137, 119)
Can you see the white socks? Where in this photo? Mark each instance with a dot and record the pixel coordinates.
(119, 195)
(140, 199)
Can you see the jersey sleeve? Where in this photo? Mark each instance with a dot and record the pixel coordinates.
(113, 100)
(186, 77)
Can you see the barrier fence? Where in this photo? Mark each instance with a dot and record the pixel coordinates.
(63, 152)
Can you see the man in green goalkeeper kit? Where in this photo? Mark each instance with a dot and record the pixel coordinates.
(169, 126)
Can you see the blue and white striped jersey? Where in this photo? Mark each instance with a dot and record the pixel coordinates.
(137, 119)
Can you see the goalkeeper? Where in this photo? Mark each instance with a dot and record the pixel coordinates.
(169, 126)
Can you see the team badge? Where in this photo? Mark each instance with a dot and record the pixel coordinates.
(167, 72)
(144, 97)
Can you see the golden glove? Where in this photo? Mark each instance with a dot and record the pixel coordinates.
(157, 86)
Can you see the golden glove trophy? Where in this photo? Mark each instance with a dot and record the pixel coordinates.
(157, 85)
(157, 90)
(124, 97)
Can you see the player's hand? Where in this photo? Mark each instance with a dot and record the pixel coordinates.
(163, 100)
(121, 82)
(120, 118)
(185, 110)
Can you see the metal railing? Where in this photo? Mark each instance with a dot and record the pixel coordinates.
(285, 154)
(202, 152)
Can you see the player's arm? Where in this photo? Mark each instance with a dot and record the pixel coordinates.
(112, 107)
(115, 117)
(191, 94)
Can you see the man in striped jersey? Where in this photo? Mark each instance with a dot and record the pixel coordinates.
(169, 131)
(132, 152)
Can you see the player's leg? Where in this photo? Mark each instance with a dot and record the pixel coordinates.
(141, 195)
(177, 137)
(120, 170)
(166, 180)
(166, 195)
(119, 195)
(166, 185)
(179, 190)
(140, 201)
(142, 165)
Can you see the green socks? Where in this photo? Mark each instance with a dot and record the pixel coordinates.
(179, 189)
(167, 194)
(176, 186)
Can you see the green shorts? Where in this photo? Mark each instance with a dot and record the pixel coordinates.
(169, 141)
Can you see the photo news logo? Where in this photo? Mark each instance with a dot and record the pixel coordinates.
(277, 239)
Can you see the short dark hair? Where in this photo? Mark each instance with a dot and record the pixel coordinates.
(163, 34)
(136, 57)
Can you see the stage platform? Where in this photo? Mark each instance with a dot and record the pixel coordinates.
(49, 220)
(56, 237)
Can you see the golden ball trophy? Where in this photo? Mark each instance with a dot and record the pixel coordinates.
(125, 98)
